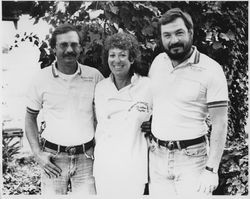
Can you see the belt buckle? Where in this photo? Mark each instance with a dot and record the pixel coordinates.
(71, 150)
(170, 145)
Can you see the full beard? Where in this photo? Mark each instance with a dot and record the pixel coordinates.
(179, 56)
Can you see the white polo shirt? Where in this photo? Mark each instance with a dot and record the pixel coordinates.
(67, 103)
(121, 148)
(182, 95)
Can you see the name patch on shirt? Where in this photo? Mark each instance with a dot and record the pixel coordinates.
(140, 106)
(88, 79)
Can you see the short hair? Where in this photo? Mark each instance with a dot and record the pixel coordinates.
(175, 13)
(64, 28)
(124, 41)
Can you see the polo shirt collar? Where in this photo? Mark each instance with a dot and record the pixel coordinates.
(55, 71)
(125, 93)
(134, 78)
(195, 57)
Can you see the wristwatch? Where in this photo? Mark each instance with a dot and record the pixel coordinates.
(211, 169)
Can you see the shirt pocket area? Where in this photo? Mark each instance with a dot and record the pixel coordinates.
(55, 100)
(86, 102)
(186, 89)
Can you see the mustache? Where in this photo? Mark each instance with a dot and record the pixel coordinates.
(176, 45)
(70, 54)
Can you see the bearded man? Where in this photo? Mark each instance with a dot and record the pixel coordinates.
(187, 87)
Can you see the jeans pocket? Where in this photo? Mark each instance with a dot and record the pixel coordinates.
(53, 152)
(89, 154)
(197, 150)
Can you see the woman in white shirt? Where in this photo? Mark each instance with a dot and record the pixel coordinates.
(122, 102)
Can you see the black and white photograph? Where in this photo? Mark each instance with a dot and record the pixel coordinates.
(124, 99)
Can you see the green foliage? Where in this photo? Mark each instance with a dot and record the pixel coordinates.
(10, 148)
(234, 170)
(226, 41)
(23, 177)
(221, 31)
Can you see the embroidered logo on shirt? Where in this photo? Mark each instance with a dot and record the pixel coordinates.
(140, 106)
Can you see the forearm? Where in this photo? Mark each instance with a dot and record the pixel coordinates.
(31, 130)
(217, 142)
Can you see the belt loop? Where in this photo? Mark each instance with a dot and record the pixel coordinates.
(178, 145)
(43, 145)
(205, 138)
(83, 148)
(157, 142)
(58, 149)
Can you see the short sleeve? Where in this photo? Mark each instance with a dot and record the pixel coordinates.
(153, 66)
(161, 64)
(217, 90)
(99, 77)
(33, 96)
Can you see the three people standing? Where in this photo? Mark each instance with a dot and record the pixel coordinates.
(183, 87)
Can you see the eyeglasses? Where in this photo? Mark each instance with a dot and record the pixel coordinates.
(65, 45)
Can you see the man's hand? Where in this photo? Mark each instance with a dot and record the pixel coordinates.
(44, 160)
(146, 126)
(208, 182)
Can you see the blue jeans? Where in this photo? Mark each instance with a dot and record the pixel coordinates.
(76, 169)
(176, 172)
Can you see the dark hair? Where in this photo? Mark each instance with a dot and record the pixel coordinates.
(128, 42)
(175, 13)
(64, 28)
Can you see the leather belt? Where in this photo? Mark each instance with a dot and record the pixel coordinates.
(181, 144)
(71, 150)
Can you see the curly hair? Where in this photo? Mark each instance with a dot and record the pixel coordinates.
(64, 28)
(125, 41)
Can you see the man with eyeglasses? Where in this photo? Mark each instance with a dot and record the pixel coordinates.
(64, 92)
